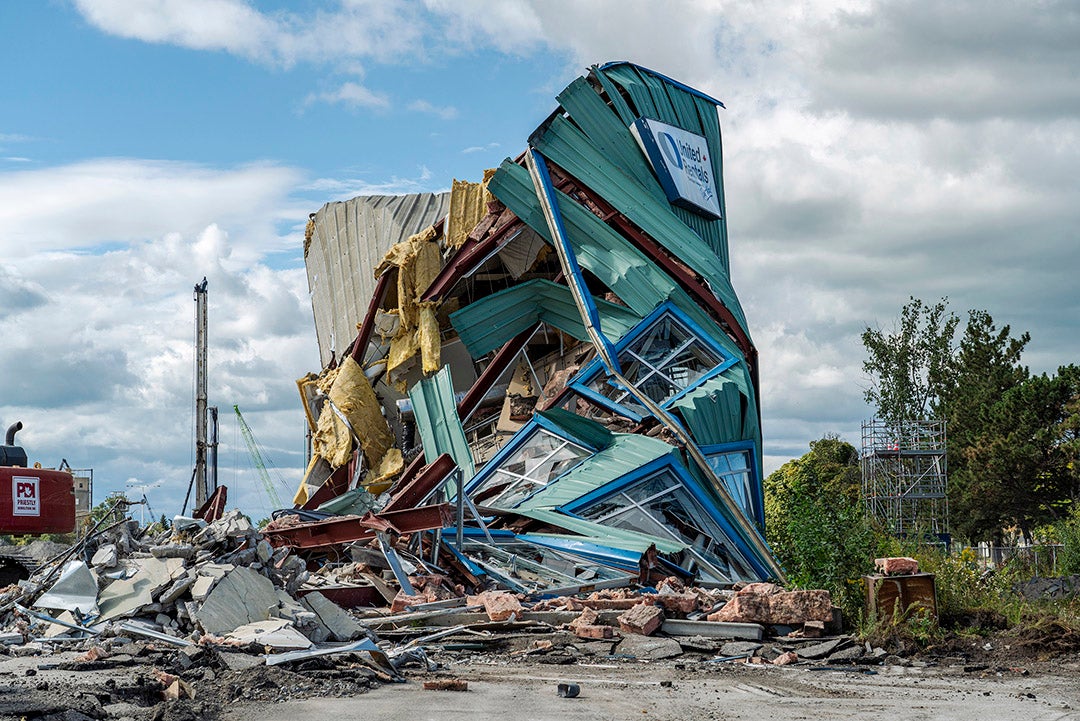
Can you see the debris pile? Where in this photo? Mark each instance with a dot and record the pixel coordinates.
(547, 425)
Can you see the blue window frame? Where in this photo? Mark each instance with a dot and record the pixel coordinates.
(735, 464)
(538, 454)
(664, 356)
(662, 499)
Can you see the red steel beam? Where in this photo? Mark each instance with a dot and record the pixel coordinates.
(417, 489)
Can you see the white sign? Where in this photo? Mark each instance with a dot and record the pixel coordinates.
(25, 496)
(681, 162)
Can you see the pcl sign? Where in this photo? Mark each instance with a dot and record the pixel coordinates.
(25, 496)
(681, 162)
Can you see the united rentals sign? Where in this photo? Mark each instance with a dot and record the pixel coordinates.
(681, 162)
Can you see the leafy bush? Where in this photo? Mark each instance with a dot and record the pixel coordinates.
(1068, 532)
(816, 523)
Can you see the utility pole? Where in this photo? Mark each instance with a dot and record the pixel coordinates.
(200, 394)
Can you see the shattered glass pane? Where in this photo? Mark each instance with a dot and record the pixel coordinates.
(733, 468)
(531, 568)
(663, 361)
(540, 459)
(660, 505)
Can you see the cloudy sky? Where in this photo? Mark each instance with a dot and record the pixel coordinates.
(873, 151)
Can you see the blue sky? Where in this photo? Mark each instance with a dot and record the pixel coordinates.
(873, 151)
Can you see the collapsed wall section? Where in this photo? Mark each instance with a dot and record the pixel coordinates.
(568, 336)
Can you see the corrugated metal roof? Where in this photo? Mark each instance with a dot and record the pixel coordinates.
(437, 421)
(599, 249)
(488, 323)
(658, 97)
(719, 411)
(592, 434)
(626, 453)
(349, 240)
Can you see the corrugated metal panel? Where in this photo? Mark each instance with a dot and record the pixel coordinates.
(592, 434)
(659, 98)
(599, 249)
(571, 149)
(437, 421)
(626, 453)
(349, 241)
(488, 323)
(719, 412)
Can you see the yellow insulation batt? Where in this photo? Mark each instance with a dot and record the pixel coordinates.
(427, 336)
(418, 261)
(468, 205)
(352, 395)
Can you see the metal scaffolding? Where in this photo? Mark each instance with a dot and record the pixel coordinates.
(904, 475)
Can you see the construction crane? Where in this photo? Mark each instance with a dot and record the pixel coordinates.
(257, 458)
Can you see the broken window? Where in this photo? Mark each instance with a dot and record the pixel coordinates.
(662, 361)
(734, 469)
(526, 466)
(528, 567)
(660, 504)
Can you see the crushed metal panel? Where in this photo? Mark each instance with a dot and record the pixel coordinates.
(348, 241)
(435, 411)
(490, 322)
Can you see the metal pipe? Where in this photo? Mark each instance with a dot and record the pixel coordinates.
(11, 431)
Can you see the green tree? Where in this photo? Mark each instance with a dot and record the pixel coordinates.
(983, 464)
(816, 525)
(911, 367)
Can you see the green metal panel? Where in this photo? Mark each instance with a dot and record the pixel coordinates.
(600, 534)
(599, 249)
(656, 98)
(609, 134)
(437, 421)
(568, 147)
(491, 321)
(626, 453)
(593, 434)
(718, 412)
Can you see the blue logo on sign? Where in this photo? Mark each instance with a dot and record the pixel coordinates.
(670, 149)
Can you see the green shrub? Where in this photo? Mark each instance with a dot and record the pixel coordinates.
(1068, 533)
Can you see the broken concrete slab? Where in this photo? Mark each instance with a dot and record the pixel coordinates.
(713, 629)
(125, 596)
(821, 650)
(241, 597)
(649, 648)
(341, 626)
(277, 634)
(740, 648)
(105, 557)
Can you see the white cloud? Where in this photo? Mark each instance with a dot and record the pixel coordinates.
(104, 346)
(447, 112)
(480, 148)
(350, 94)
(83, 205)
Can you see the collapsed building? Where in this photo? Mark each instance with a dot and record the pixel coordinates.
(545, 379)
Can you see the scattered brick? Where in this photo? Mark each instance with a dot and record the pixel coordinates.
(642, 619)
(500, 606)
(899, 566)
(785, 658)
(593, 631)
